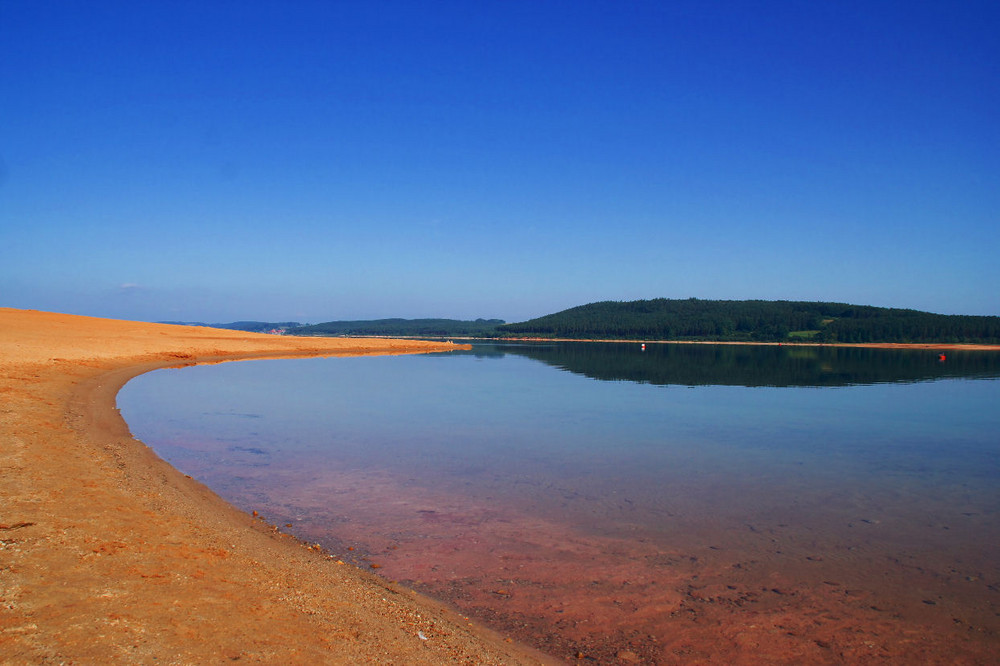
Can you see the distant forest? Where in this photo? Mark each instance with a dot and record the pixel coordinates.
(406, 327)
(755, 321)
(689, 319)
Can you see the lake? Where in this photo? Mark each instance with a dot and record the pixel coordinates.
(604, 502)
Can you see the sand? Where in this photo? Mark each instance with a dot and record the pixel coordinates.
(110, 555)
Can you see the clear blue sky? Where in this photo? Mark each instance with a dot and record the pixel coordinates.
(312, 161)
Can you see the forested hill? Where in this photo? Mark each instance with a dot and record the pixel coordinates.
(409, 327)
(755, 321)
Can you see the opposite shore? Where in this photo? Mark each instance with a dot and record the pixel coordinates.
(110, 555)
(867, 345)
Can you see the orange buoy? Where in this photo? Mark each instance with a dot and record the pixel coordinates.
(941, 357)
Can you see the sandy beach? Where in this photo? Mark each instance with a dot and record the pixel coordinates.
(109, 555)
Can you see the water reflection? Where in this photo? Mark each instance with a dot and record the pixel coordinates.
(742, 365)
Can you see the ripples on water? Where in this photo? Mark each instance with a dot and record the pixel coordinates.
(683, 503)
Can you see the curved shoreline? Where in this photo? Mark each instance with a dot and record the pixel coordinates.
(110, 555)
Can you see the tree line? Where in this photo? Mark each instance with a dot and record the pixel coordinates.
(755, 321)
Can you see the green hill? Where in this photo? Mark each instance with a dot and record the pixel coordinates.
(755, 321)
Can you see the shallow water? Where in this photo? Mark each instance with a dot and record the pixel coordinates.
(683, 503)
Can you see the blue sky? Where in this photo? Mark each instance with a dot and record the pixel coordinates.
(313, 161)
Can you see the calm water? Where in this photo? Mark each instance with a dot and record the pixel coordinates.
(682, 503)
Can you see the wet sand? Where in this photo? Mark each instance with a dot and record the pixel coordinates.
(110, 555)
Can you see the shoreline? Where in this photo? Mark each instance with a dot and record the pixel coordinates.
(109, 554)
(866, 345)
(955, 346)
